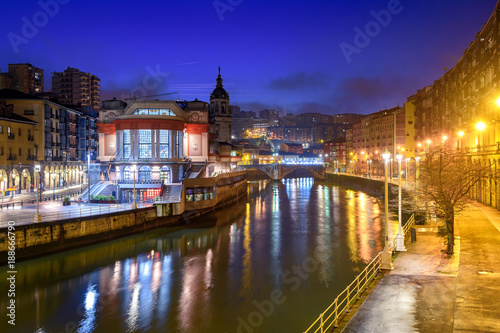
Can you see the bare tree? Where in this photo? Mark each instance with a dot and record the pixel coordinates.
(445, 178)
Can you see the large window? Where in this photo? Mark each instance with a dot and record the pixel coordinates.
(154, 112)
(165, 174)
(126, 144)
(145, 174)
(144, 143)
(180, 138)
(164, 144)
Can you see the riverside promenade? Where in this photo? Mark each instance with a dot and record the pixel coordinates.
(21, 208)
(430, 292)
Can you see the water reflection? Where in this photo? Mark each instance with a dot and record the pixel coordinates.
(215, 276)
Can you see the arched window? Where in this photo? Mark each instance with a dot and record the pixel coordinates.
(145, 174)
(166, 174)
(127, 175)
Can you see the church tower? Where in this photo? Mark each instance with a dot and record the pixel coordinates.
(219, 113)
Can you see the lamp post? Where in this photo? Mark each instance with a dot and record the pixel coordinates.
(407, 160)
(480, 126)
(88, 175)
(428, 145)
(13, 184)
(368, 162)
(53, 175)
(134, 205)
(400, 240)
(459, 141)
(37, 188)
(386, 259)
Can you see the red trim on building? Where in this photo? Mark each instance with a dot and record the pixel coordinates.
(107, 129)
(148, 123)
(197, 128)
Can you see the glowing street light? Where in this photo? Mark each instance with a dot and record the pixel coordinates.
(428, 144)
(480, 126)
(400, 240)
(368, 162)
(459, 141)
(386, 259)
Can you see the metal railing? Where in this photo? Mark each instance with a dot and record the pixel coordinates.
(71, 213)
(329, 318)
(406, 228)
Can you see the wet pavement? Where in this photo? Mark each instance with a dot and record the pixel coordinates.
(430, 292)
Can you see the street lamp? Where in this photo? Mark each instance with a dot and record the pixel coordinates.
(480, 126)
(88, 175)
(400, 240)
(407, 160)
(13, 184)
(416, 170)
(134, 205)
(368, 162)
(386, 259)
(53, 175)
(37, 187)
(459, 141)
(428, 144)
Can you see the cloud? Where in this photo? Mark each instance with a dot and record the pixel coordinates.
(367, 95)
(299, 81)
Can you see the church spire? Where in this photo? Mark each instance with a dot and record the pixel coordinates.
(219, 80)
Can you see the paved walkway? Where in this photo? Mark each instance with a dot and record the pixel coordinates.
(429, 292)
(53, 209)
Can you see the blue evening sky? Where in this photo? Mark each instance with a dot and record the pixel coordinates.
(273, 54)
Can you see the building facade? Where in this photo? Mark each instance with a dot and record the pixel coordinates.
(74, 87)
(25, 78)
(52, 143)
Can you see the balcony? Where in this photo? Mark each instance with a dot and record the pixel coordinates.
(59, 130)
(31, 157)
(11, 157)
(57, 158)
(11, 136)
(52, 129)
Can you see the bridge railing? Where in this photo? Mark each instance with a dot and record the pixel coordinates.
(329, 318)
(69, 213)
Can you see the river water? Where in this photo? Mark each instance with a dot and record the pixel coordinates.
(270, 263)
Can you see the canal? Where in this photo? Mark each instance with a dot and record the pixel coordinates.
(270, 263)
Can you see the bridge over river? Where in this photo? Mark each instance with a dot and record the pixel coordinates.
(278, 171)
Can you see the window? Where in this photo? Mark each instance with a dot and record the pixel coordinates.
(180, 137)
(1, 151)
(19, 132)
(19, 151)
(145, 144)
(1, 129)
(145, 174)
(126, 144)
(8, 129)
(154, 112)
(165, 174)
(126, 174)
(164, 144)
